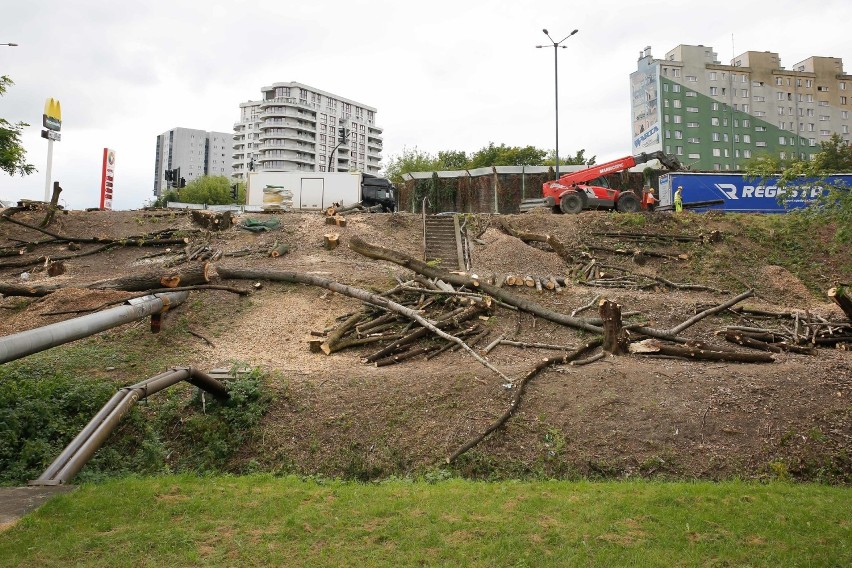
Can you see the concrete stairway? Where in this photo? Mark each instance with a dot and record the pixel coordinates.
(442, 239)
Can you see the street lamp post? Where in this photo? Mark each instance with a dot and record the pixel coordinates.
(10, 44)
(556, 46)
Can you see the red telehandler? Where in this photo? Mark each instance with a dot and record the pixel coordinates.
(588, 189)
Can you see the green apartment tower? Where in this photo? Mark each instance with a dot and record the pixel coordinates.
(714, 117)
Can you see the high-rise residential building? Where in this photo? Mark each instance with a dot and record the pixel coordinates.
(715, 117)
(294, 127)
(196, 152)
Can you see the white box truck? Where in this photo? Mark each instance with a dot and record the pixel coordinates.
(316, 190)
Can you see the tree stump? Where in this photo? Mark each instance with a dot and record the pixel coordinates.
(212, 220)
(331, 240)
(615, 339)
(842, 296)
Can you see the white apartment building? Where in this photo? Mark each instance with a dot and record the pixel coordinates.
(196, 152)
(294, 127)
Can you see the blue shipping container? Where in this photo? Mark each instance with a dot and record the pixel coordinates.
(741, 195)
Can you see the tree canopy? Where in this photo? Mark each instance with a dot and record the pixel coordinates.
(211, 190)
(13, 157)
(416, 160)
(834, 156)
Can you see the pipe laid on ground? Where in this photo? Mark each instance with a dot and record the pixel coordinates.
(96, 432)
(32, 341)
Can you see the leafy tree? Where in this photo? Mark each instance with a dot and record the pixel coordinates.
(212, 190)
(834, 156)
(578, 159)
(411, 160)
(452, 159)
(503, 155)
(12, 153)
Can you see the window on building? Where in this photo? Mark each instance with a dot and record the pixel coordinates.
(714, 91)
(782, 140)
(824, 132)
(668, 133)
(679, 150)
(691, 94)
(717, 152)
(676, 103)
(694, 140)
(823, 103)
(780, 96)
(716, 137)
(779, 81)
(760, 113)
(809, 83)
(694, 156)
(678, 119)
(844, 114)
(692, 125)
(746, 123)
(676, 73)
(714, 121)
(712, 75)
(691, 78)
(746, 138)
(678, 134)
(811, 127)
(691, 109)
(824, 117)
(843, 100)
(744, 93)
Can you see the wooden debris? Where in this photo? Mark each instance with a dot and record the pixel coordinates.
(279, 250)
(212, 220)
(842, 296)
(697, 352)
(331, 240)
(615, 339)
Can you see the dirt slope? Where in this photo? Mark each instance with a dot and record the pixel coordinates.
(619, 416)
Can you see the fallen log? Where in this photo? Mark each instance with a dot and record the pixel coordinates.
(27, 291)
(352, 292)
(198, 274)
(328, 346)
(697, 352)
(279, 250)
(405, 356)
(519, 392)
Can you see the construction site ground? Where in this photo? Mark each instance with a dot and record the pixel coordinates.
(622, 416)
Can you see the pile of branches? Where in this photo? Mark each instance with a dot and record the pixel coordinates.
(793, 331)
(397, 338)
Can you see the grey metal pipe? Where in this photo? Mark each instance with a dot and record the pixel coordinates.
(32, 341)
(80, 438)
(137, 392)
(92, 437)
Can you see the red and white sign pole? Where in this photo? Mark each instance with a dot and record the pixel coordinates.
(107, 179)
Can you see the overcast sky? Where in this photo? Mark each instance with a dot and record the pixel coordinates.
(443, 75)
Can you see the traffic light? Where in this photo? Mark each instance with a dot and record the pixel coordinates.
(182, 182)
(342, 134)
(234, 191)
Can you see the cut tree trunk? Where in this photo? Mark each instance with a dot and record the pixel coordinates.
(652, 346)
(742, 339)
(190, 276)
(54, 202)
(615, 340)
(279, 250)
(842, 296)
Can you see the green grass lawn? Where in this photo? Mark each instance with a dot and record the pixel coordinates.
(262, 520)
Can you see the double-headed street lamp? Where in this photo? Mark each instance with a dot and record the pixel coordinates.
(10, 44)
(556, 46)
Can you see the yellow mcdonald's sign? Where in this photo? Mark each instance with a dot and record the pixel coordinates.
(52, 118)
